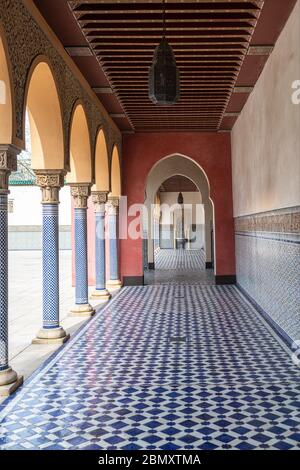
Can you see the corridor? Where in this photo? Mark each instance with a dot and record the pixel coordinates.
(149, 226)
(186, 267)
(162, 367)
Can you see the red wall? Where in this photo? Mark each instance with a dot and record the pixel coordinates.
(213, 152)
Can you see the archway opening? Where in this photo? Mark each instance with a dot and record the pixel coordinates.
(44, 113)
(80, 148)
(115, 174)
(102, 180)
(178, 223)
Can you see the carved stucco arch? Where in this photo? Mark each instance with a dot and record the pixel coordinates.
(7, 109)
(165, 168)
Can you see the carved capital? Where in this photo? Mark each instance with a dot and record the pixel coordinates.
(113, 205)
(99, 199)
(8, 163)
(80, 194)
(50, 182)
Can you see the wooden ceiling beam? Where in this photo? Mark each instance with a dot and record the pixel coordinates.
(145, 24)
(210, 40)
(204, 49)
(170, 16)
(178, 40)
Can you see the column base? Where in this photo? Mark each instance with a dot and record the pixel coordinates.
(9, 382)
(100, 294)
(84, 310)
(51, 336)
(113, 285)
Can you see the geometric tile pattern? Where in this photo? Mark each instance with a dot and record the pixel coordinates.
(163, 367)
(268, 268)
(203, 277)
(50, 266)
(185, 267)
(100, 249)
(80, 219)
(3, 283)
(180, 259)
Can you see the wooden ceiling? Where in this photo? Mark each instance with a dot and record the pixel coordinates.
(221, 48)
(177, 184)
(210, 40)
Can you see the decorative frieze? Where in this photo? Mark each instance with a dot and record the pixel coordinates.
(80, 194)
(50, 182)
(99, 199)
(282, 221)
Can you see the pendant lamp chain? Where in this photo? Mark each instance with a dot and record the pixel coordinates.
(164, 18)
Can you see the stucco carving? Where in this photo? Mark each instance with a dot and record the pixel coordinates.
(113, 205)
(50, 183)
(80, 194)
(284, 221)
(8, 163)
(26, 41)
(99, 199)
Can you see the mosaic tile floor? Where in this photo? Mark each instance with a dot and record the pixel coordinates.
(180, 259)
(186, 267)
(162, 367)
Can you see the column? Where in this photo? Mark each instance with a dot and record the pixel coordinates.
(99, 199)
(112, 213)
(9, 380)
(50, 182)
(80, 194)
(208, 214)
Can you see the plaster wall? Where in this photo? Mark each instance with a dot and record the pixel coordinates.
(211, 152)
(266, 137)
(266, 188)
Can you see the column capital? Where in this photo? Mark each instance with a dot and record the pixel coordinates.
(80, 194)
(113, 205)
(99, 199)
(8, 163)
(50, 182)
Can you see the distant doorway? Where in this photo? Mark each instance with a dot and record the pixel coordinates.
(178, 235)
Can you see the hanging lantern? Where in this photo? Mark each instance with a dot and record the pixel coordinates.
(164, 76)
(164, 79)
(180, 198)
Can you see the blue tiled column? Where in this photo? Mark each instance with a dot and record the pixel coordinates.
(50, 183)
(112, 213)
(9, 380)
(80, 194)
(99, 200)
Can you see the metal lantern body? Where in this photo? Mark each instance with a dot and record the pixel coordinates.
(164, 86)
(180, 198)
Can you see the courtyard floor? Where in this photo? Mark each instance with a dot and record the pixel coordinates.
(170, 366)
